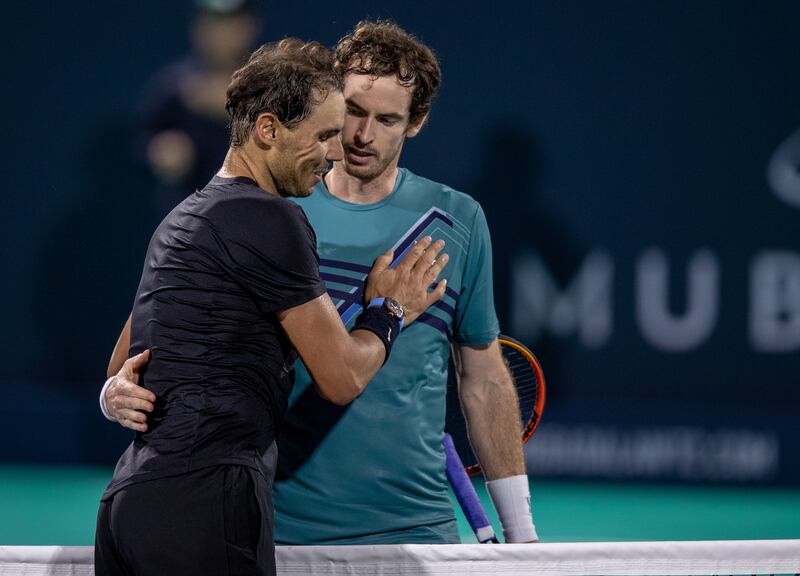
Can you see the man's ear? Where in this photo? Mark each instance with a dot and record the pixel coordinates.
(413, 129)
(266, 130)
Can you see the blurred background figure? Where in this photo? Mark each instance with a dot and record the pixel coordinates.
(184, 123)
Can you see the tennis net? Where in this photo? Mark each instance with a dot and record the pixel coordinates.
(551, 559)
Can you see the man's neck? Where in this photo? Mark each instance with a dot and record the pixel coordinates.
(357, 191)
(238, 162)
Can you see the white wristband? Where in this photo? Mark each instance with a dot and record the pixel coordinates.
(103, 408)
(512, 499)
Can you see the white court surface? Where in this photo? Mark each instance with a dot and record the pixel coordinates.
(569, 559)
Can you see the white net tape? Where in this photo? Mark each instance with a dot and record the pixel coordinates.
(572, 559)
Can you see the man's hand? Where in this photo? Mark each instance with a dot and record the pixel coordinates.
(125, 400)
(408, 282)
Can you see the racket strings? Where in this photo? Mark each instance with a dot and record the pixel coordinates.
(526, 381)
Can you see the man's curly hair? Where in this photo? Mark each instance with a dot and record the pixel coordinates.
(287, 78)
(382, 48)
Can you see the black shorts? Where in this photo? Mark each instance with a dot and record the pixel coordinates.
(216, 521)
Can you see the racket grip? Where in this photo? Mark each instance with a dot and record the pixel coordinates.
(465, 494)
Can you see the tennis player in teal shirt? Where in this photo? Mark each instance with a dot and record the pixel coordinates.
(373, 472)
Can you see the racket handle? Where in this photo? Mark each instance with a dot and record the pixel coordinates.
(465, 494)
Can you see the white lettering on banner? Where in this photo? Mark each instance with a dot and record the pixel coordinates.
(783, 170)
(685, 453)
(668, 332)
(584, 306)
(775, 302)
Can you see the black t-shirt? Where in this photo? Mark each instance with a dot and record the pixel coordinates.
(217, 270)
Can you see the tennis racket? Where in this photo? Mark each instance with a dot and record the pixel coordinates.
(461, 462)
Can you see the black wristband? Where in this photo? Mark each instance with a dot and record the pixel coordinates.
(382, 324)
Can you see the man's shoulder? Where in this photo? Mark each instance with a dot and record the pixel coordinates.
(435, 193)
(243, 195)
(238, 208)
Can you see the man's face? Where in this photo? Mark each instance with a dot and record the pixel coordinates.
(305, 150)
(376, 124)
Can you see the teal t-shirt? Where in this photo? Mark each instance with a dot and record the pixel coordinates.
(373, 472)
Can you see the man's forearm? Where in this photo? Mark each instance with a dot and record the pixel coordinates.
(120, 353)
(491, 408)
(492, 413)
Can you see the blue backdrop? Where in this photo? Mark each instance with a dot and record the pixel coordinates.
(638, 161)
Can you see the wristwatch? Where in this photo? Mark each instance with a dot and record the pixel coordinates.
(392, 307)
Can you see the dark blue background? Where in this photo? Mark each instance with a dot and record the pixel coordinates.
(614, 126)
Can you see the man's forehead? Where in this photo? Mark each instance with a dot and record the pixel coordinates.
(386, 90)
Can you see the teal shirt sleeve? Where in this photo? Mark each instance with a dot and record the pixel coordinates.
(475, 320)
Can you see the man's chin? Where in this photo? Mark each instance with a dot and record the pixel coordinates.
(362, 171)
(305, 193)
(297, 192)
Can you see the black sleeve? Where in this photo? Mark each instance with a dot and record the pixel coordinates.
(272, 253)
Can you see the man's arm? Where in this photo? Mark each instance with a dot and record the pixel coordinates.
(341, 364)
(120, 353)
(491, 409)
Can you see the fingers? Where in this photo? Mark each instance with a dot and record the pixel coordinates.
(436, 294)
(432, 264)
(414, 253)
(136, 363)
(126, 400)
(409, 281)
(131, 416)
(123, 386)
(122, 402)
(382, 262)
(134, 391)
(130, 411)
(133, 424)
(428, 259)
(433, 271)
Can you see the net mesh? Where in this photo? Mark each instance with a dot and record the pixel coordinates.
(578, 559)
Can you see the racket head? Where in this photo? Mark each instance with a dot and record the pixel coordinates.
(531, 391)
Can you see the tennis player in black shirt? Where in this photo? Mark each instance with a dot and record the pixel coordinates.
(229, 291)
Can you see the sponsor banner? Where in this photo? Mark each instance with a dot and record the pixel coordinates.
(660, 453)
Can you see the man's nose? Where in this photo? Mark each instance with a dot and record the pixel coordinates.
(335, 151)
(364, 133)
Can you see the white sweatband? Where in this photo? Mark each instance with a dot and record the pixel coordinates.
(512, 499)
(103, 408)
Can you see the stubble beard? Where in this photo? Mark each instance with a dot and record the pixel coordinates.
(372, 170)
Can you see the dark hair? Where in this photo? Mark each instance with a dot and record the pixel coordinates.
(381, 48)
(287, 78)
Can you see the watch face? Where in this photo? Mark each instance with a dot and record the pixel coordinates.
(395, 308)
